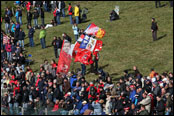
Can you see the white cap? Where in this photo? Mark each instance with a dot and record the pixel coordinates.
(153, 79)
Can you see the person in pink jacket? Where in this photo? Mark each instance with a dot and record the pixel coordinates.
(8, 49)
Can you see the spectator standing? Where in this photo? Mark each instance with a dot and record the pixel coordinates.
(20, 16)
(77, 13)
(154, 29)
(157, 3)
(42, 37)
(63, 8)
(58, 16)
(30, 35)
(29, 18)
(54, 14)
(35, 17)
(7, 24)
(76, 31)
(70, 13)
(55, 44)
(160, 106)
(17, 15)
(8, 49)
(21, 38)
(42, 17)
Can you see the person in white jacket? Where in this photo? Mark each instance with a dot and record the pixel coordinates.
(146, 102)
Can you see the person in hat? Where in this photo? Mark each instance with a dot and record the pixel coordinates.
(132, 93)
(154, 28)
(85, 107)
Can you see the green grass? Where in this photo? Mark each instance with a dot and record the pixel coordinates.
(127, 42)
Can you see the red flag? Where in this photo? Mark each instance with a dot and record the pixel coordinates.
(65, 58)
(94, 30)
(83, 56)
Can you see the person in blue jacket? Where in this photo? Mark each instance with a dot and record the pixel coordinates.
(132, 93)
(85, 107)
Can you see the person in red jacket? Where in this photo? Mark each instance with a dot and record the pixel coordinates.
(8, 48)
(54, 14)
(92, 91)
(70, 13)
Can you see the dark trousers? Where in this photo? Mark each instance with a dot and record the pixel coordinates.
(83, 69)
(56, 52)
(154, 35)
(156, 4)
(28, 23)
(94, 68)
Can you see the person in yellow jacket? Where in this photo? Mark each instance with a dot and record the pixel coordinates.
(77, 13)
(42, 36)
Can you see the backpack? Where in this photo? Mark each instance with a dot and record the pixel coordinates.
(92, 91)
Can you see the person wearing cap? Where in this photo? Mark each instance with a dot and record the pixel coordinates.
(85, 107)
(132, 93)
(154, 28)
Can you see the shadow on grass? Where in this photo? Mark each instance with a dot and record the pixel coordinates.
(48, 46)
(161, 37)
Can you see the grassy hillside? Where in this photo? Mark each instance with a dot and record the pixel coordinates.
(127, 42)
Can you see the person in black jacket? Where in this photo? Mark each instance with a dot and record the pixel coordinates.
(35, 17)
(29, 18)
(113, 15)
(154, 29)
(25, 97)
(42, 16)
(20, 16)
(21, 38)
(30, 35)
(16, 35)
(55, 43)
(63, 8)
(160, 106)
(156, 4)
(7, 23)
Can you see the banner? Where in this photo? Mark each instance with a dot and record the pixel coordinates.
(88, 43)
(65, 58)
(83, 56)
(94, 30)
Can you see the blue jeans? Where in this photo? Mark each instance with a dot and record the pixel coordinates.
(17, 19)
(58, 19)
(42, 20)
(77, 19)
(16, 107)
(35, 22)
(76, 37)
(31, 42)
(7, 27)
(42, 41)
(9, 56)
(20, 20)
(83, 69)
(63, 12)
(11, 108)
(70, 17)
(21, 43)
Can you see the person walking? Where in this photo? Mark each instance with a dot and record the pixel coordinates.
(76, 14)
(70, 13)
(42, 37)
(76, 31)
(42, 16)
(30, 35)
(17, 15)
(154, 29)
